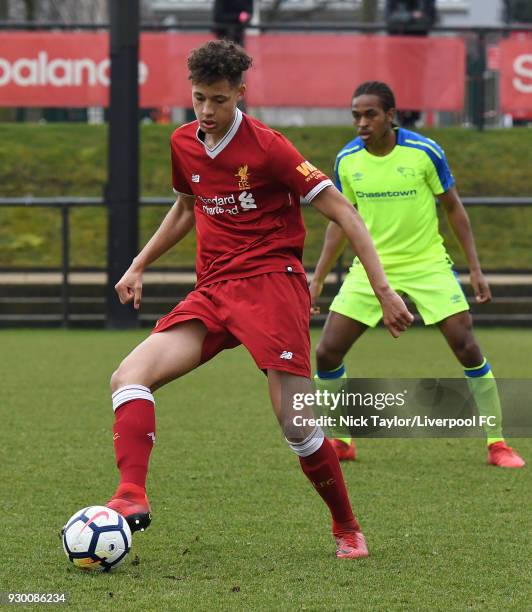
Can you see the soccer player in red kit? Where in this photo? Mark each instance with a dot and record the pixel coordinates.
(239, 183)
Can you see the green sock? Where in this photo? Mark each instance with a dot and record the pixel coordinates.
(332, 381)
(483, 387)
(345, 440)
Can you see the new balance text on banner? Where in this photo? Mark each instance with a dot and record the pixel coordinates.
(516, 75)
(315, 70)
(72, 69)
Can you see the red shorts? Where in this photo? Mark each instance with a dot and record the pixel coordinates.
(269, 314)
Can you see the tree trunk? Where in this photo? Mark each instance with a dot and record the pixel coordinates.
(369, 11)
(4, 10)
(31, 9)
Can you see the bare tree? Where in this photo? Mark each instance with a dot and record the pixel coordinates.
(30, 7)
(72, 11)
(66, 11)
(4, 10)
(369, 11)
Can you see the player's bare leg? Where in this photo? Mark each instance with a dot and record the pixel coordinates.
(318, 461)
(458, 331)
(160, 358)
(338, 336)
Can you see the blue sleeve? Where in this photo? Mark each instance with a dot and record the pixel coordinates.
(337, 182)
(341, 180)
(439, 175)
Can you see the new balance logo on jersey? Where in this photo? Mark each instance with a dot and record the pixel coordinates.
(286, 355)
(247, 200)
(195, 178)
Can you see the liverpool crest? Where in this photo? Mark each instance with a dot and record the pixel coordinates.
(243, 175)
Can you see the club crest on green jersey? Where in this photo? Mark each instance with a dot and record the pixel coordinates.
(406, 172)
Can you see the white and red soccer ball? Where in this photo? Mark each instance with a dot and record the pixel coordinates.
(96, 538)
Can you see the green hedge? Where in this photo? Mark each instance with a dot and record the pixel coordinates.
(71, 159)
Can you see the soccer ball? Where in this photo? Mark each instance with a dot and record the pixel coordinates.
(96, 538)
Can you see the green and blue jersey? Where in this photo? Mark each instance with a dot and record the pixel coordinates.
(394, 194)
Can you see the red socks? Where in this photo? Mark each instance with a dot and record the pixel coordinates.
(134, 436)
(323, 470)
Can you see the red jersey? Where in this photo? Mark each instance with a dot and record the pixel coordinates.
(247, 188)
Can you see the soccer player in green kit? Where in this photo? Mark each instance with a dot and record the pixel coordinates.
(392, 176)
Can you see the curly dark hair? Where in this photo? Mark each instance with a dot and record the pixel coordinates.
(218, 60)
(379, 89)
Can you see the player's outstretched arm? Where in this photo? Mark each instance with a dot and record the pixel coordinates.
(333, 245)
(174, 227)
(461, 226)
(331, 203)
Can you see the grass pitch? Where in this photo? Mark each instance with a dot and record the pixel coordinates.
(236, 525)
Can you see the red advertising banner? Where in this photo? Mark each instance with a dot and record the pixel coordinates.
(516, 76)
(72, 69)
(323, 70)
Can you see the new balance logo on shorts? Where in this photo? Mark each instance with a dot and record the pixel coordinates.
(286, 355)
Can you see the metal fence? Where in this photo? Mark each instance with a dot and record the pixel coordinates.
(64, 205)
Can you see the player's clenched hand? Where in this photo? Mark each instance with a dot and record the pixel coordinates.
(480, 287)
(396, 315)
(315, 289)
(129, 288)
